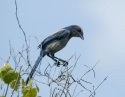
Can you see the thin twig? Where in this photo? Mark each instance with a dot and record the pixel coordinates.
(25, 38)
(98, 86)
(7, 90)
(10, 52)
(16, 81)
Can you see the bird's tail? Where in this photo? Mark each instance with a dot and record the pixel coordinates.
(42, 54)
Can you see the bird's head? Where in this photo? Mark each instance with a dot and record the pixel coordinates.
(76, 31)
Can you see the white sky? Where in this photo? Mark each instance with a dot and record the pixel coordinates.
(103, 22)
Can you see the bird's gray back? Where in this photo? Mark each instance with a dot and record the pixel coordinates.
(62, 34)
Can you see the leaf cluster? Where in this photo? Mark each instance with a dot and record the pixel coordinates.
(14, 80)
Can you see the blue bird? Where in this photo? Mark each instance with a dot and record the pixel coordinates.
(54, 43)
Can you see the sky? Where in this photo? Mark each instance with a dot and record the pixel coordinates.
(103, 23)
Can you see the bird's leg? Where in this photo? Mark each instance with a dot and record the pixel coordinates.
(54, 59)
(64, 62)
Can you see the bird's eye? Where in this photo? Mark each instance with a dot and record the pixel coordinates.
(79, 30)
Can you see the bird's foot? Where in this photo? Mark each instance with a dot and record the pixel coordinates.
(60, 62)
(57, 63)
(65, 63)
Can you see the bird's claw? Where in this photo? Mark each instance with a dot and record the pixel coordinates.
(65, 63)
(57, 64)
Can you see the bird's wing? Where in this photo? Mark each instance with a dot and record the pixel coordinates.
(57, 36)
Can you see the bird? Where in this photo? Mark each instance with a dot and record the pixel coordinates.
(54, 43)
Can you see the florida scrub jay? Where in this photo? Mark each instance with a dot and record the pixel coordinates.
(54, 43)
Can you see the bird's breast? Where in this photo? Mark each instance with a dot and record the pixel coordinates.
(56, 46)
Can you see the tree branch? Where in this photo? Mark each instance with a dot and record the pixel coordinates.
(25, 38)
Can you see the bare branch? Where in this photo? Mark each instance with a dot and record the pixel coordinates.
(98, 86)
(25, 38)
(16, 81)
(61, 80)
(7, 90)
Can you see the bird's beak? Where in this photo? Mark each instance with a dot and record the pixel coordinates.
(81, 37)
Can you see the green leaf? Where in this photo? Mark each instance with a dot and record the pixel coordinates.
(23, 83)
(9, 76)
(0, 73)
(6, 73)
(5, 69)
(15, 84)
(29, 92)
